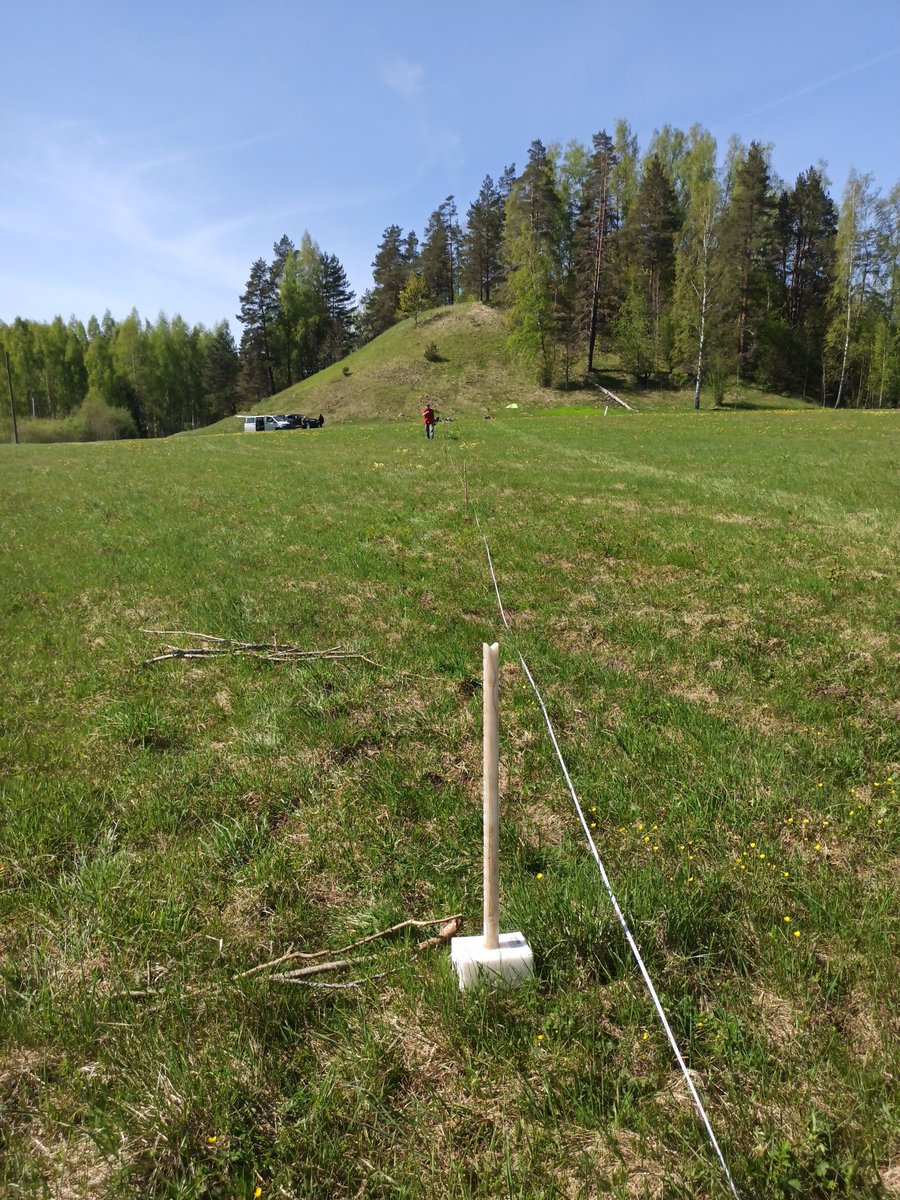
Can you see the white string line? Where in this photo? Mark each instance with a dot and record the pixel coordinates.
(608, 886)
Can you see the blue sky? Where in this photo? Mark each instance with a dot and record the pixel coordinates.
(151, 152)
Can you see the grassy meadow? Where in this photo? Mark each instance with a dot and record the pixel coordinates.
(709, 603)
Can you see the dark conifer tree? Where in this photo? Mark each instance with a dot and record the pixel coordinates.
(439, 255)
(805, 228)
(482, 242)
(653, 223)
(748, 255)
(220, 371)
(390, 271)
(592, 236)
(339, 305)
(259, 312)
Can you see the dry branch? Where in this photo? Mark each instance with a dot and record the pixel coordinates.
(268, 651)
(334, 987)
(317, 969)
(445, 932)
(613, 397)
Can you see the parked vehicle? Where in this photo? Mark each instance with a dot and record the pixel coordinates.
(260, 422)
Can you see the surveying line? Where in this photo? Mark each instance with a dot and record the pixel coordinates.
(657, 1003)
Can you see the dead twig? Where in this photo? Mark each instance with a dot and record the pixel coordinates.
(443, 935)
(333, 987)
(317, 969)
(268, 651)
(444, 922)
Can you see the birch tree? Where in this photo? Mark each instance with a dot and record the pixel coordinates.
(854, 261)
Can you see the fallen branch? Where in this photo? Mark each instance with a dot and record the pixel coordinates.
(332, 987)
(612, 396)
(317, 969)
(268, 651)
(444, 922)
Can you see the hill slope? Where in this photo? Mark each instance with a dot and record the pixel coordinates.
(389, 377)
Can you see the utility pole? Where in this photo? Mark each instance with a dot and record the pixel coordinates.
(12, 403)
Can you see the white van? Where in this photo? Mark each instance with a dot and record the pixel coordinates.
(258, 423)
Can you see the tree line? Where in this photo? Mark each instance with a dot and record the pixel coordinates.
(687, 264)
(152, 378)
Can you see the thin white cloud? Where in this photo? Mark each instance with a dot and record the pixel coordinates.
(73, 184)
(821, 83)
(403, 77)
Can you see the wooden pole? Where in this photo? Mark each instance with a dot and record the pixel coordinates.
(12, 405)
(490, 660)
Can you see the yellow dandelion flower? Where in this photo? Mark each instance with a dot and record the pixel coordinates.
(540, 875)
(645, 1036)
(796, 933)
(212, 1140)
(753, 845)
(761, 856)
(257, 1193)
(787, 919)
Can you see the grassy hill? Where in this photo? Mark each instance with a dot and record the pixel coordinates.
(389, 378)
(710, 608)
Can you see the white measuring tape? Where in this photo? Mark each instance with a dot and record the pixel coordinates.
(609, 888)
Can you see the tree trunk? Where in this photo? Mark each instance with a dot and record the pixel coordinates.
(837, 401)
(595, 287)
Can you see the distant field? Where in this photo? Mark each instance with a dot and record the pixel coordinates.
(709, 602)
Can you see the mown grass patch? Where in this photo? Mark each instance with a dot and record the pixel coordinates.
(710, 609)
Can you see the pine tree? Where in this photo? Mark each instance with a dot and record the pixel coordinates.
(390, 271)
(748, 254)
(439, 255)
(805, 228)
(651, 230)
(220, 369)
(338, 298)
(482, 269)
(593, 235)
(259, 312)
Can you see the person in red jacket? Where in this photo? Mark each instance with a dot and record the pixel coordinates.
(429, 418)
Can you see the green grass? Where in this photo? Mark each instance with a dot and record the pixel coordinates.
(709, 604)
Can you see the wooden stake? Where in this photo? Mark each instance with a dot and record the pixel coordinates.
(490, 660)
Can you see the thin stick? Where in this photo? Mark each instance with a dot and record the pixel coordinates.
(294, 954)
(333, 987)
(318, 968)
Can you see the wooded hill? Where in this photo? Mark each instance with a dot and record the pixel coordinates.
(458, 358)
(689, 265)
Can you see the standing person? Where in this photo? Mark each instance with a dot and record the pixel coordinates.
(429, 418)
